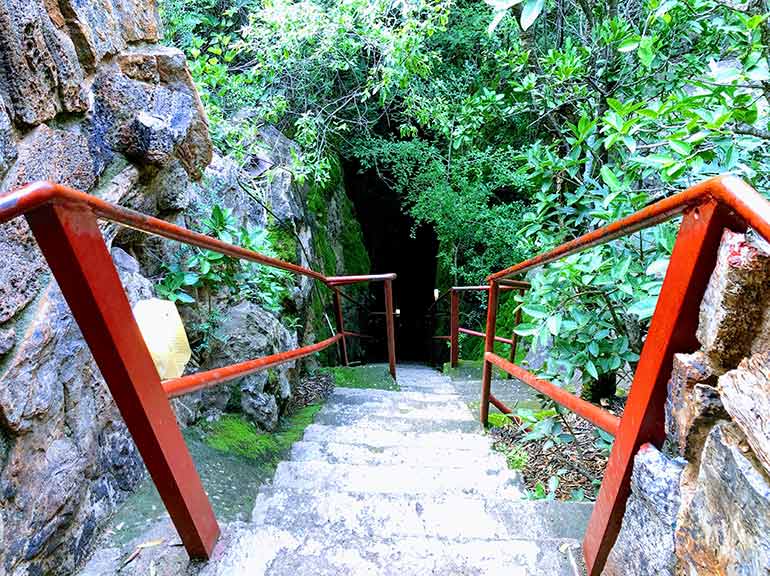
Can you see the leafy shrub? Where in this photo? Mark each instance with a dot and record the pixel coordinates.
(205, 271)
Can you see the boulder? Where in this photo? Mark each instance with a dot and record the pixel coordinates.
(724, 528)
(70, 460)
(41, 73)
(693, 404)
(734, 304)
(146, 106)
(251, 332)
(645, 544)
(745, 393)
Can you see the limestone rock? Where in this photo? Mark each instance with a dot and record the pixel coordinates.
(71, 460)
(261, 408)
(252, 333)
(41, 73)
(762, 341)
(735, 300)
(746, 395)
(222, 187)
(725, 526)
(68, 156)
(645, 544)
(7, 143)
(23, 273)
(150, 122)
(101, 28)
(63, 155)
(7, 340)
(693, 403)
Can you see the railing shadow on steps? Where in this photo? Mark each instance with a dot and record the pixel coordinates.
(64, 224)
(707, 209)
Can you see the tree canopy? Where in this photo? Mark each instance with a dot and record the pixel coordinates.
(508, 127)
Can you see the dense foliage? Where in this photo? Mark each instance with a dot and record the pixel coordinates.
(508, 127)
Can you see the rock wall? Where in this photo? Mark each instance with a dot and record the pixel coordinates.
(89, 98)
(702, 505)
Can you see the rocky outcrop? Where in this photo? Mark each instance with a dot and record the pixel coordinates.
(693, 404)
(724, 526)
(70, 460)
(87, 99)
(718, 510)
(735, 300)
(645, 545)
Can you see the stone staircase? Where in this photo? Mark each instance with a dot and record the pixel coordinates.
(401, 483)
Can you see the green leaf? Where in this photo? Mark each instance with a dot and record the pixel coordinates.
(629, 44)
(554, 323)
(530, 11)
(645, 53)
(644, 308)
(591, 368)
(184, 297)
(190, 279)
(680, 147)
(610, 179)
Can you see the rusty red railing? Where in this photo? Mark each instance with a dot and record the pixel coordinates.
(707, 209)
(455, 297)
(64, 223)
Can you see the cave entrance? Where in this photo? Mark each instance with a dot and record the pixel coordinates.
(394, 246)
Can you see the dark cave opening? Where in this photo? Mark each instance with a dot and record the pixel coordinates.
(394, 245)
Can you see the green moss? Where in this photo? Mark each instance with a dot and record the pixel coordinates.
(374, 376)
(325, 252)
(283, 242)
(352, 240)
(234, 434)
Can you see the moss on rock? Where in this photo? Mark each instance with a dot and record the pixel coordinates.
(234, 434)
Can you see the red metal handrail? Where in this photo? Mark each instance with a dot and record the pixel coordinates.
(455, 329)
(707, 208)
(64, 223)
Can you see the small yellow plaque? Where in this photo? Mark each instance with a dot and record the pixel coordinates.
(163, 332)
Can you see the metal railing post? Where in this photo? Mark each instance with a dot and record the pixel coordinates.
(672, 330)
(489, 346)
(390, 326)
(74, 248)
(454, 327)
(340, 326)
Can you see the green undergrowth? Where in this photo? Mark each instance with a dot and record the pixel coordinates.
(376, 377)
(234, 434)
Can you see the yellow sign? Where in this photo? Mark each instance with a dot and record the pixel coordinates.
(163, 332)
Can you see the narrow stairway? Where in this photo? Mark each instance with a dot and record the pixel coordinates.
(402, 483)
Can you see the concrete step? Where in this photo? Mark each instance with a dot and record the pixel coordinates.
(390, 455)
(394, 423)
(328, 478)
(416, 399)
(444, 411)
(449, 515)
(274, 552)
(366, 435)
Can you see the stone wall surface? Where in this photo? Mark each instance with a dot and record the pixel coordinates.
(712, 486)
(89, 98)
